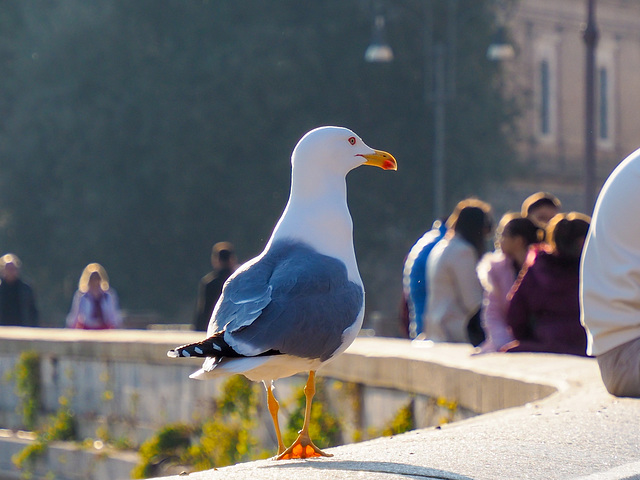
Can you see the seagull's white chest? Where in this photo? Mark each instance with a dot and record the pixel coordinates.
(324, 224)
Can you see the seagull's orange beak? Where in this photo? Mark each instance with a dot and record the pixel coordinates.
(381, 159)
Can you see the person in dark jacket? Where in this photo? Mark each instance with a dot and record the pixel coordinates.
(540, 208)
(544, 311)
(224, 263)
(17, 300)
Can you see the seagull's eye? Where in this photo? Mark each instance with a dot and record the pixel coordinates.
(352, 140)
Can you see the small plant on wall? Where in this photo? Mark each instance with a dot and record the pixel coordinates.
(59, 426)
(223, 440)
(26, 376)
(402, 422)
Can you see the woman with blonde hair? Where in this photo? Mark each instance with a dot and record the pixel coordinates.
(95, 303)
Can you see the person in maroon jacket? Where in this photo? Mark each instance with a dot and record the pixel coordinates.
(544, 310)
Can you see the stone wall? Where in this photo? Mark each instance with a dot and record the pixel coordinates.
(122, 384)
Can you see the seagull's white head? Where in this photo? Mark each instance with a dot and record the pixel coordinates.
(338, 149)
(317, 213)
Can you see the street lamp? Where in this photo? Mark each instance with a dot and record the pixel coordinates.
(441, 87)
(380, 52)
(500, 49)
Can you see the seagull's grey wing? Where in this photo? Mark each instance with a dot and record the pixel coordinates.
(244, 296)
(312, 302)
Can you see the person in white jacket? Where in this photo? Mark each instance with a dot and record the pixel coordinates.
(455, 292)
(610, 280)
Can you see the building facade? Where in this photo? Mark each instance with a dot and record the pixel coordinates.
(547, 76)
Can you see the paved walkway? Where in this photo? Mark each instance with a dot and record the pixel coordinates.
(578, 432)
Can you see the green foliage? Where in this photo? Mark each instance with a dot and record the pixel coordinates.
(26, 375)
(449, 407)
(227, 439)
(402, 422)
(239, 397)
(169, 128)
(224, 443)
(26, 457)
(224, 440)
(169, 444)
(324, 428)
(60, 426)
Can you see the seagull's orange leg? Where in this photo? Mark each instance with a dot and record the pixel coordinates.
(303, 447)
(274, 406)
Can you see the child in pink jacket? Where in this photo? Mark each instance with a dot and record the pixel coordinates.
(498, 272)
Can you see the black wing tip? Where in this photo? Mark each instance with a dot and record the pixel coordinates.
(180, 352)
(214, 346)
(187, 351)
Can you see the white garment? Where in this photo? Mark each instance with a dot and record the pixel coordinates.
(610, 268)
(455, 292)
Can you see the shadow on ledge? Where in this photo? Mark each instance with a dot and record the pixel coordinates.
(372, 467)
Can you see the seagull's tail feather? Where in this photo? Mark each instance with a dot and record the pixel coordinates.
(214, 346)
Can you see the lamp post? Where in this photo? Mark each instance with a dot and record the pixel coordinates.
(590, 36)
(439, 111)
(439, 80)
(442, 90)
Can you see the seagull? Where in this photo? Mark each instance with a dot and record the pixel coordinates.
(300, 303)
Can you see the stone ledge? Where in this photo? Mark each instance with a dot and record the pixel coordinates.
(480, 383)
(142, 346)
(578, 432)
(483, 383)
(552, 418)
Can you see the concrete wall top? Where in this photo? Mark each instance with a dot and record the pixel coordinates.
(481, 383)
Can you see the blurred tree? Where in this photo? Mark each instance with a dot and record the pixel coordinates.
(136, 134)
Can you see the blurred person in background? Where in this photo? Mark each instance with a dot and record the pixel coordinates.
(455, 292)
(95, 303)
(544, 311)
(541, 207)
(224, 263)
(17, 300)
(414, 278)
(498, 272)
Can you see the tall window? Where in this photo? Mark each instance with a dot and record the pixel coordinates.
(544, 81)
(545, 98)
(604, 109)
(603, 103)
(606, 100)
